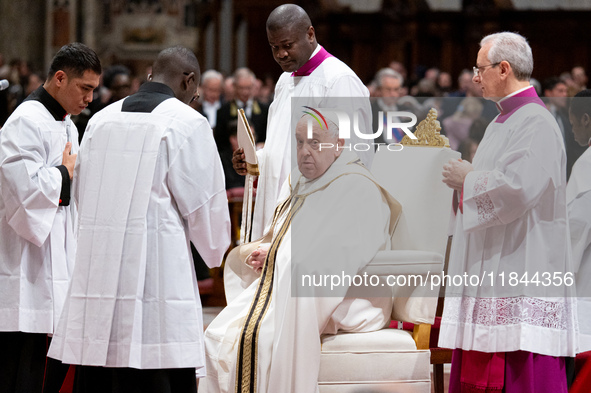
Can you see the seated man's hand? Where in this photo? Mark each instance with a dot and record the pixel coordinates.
(238, 162)
(256, 259)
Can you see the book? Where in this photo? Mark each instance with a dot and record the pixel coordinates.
(247, 142)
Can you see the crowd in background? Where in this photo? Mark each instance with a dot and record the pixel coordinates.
(461, 111)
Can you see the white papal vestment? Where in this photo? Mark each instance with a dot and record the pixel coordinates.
(514, 221)
(332, 225)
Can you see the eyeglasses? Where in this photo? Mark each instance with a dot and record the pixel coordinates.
(477, 70)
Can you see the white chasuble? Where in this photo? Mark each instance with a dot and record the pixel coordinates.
(268, 338)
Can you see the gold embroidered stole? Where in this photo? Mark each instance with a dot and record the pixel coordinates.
(246, 370)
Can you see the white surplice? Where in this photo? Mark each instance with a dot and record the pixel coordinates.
(37, 241)
(332, 78)
(146, 183)
(578, 199)
(514, 221)
(339, 222)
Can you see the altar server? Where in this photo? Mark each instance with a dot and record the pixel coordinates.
(38, 147)
(148, 181)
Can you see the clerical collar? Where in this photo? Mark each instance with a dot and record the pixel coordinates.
(147, 98)
(313, 63)
(511, 103)
(156, 87)
(382, 104)
(216, 104)
(50, 103)
(244, 105)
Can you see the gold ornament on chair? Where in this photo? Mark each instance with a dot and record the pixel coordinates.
(427, 133)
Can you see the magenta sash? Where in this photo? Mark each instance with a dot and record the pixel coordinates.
(313, 63)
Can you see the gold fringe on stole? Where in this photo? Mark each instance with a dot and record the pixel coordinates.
(246, 377)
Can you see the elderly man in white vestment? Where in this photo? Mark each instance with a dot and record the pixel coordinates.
(333, 219)
(38, 147)
(578, 198)
(513, 330)
(312, 74)
(148, 180)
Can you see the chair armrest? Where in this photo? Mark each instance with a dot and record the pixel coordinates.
(395, 262)
(421, 334)
(414, 295)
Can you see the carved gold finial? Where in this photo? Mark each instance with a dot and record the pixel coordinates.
(427, 133)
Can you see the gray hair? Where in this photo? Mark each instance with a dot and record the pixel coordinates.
(211, 74)
(511, 47)
(387, 73)
(243, 72)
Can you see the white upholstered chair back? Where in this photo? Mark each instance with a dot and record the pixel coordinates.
(393, 360)
(413, 177)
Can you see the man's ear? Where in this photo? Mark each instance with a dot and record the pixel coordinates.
(187, 80)
(339, 149)
(586, 120)
(505, 68)
(60, 78)
(311, 34)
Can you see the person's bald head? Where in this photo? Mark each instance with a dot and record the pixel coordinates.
(290, 16)
(291, 36)
(178, 68)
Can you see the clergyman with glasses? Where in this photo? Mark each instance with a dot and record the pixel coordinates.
(512, 330)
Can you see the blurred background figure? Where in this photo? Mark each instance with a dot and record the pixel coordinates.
(267, 90)
(255, 111)
(537, 85)
(556, 99)
(387, 85)
(457, 126)
(579, 77)
(228, 90)
(117, 80)
(210, 98)
(468, 148)
(444, 84)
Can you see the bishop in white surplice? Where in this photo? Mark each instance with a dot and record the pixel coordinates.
(314, 76)
(513, 221)
(511, 235)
